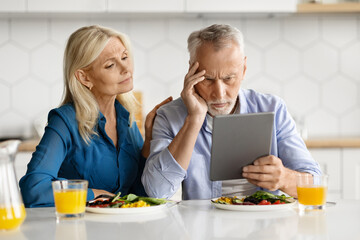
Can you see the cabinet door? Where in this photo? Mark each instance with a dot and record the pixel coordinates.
(13, 6)
(66, 6)
(257, 6)
(146, 6)
(330, 163)
(351, 172)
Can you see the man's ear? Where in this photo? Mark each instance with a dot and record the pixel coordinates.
(81, 76)
(245, 66)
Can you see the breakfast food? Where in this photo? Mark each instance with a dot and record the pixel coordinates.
(127, 201)
(258, 198)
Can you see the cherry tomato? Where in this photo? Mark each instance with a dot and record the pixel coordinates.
(264, 202)
(277, 202)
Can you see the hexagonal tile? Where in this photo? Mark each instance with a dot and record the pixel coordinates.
(263, 84)
(262, 32)
(320, 123)
(162, 68)
(153, 93)
(140, 61)
(301, 31)
(234, 22)
(24, 29)
(176, 87)
(147, 33)
(294, 95)
(4, 98)
(320, 61)
(14, 63)
(339, 94)
(349, 123)
(13, 125)
(4, 29)
(254, 61)
(36, 101)
(60, 30)
(350, 59)
(56, 92)
(47, 62)
(120, 26)
(179, 30)
(339, 30)
(282, 61)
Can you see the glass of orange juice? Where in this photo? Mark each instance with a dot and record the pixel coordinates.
(312, 191)
(70, 198)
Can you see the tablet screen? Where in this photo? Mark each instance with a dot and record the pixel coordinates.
(237, 141)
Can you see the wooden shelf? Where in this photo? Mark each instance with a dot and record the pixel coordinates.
(333, 143)
(328, 8)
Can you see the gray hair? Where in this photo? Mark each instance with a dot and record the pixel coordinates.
(220, 35)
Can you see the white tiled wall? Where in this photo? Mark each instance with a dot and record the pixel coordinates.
(310, 61)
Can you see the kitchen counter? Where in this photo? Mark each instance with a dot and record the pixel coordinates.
(30, 145)
(196, 219)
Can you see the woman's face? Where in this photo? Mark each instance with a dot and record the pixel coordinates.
(111, 72)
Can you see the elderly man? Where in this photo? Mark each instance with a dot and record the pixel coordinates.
(180, 149)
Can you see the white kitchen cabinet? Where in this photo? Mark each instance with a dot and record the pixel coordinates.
(12, 5)
(330, 161)
(66, 6)
(146, 6)
(244, 6)
(351, 172)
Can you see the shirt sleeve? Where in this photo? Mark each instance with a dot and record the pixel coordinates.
(162, 174)
(44, 165)
(291, 148)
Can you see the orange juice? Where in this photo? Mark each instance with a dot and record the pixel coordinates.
(311, 194)
(12, 217)
(70, 201)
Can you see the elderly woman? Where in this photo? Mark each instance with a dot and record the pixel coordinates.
(92, 135)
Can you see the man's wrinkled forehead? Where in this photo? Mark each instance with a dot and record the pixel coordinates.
(216, 47)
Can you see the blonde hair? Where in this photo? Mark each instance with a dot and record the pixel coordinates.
(220, 35)
(82, 48)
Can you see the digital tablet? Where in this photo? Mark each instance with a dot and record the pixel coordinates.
(238, 140)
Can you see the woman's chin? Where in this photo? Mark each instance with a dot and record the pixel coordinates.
(126, 88)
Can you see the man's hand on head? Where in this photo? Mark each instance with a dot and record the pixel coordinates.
(195, 104)
(269, 172)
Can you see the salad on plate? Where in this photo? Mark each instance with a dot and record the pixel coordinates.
(259, 201)
(127, 201)
(128, 204)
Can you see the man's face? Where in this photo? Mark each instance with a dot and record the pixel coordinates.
(225, 70)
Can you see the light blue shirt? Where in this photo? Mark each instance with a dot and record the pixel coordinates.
(162, 175)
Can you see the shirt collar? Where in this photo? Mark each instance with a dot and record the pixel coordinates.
(121, 113)
(242, 102)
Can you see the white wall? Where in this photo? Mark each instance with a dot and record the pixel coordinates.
(310, 61)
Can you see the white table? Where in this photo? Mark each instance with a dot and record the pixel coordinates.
(195, 219)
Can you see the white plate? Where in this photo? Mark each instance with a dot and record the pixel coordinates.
(254, 208)
(125, 210)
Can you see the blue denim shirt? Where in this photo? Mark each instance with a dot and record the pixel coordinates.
(163, 175)
(62, 154)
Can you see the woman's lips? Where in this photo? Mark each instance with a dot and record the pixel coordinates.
(126, 80)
